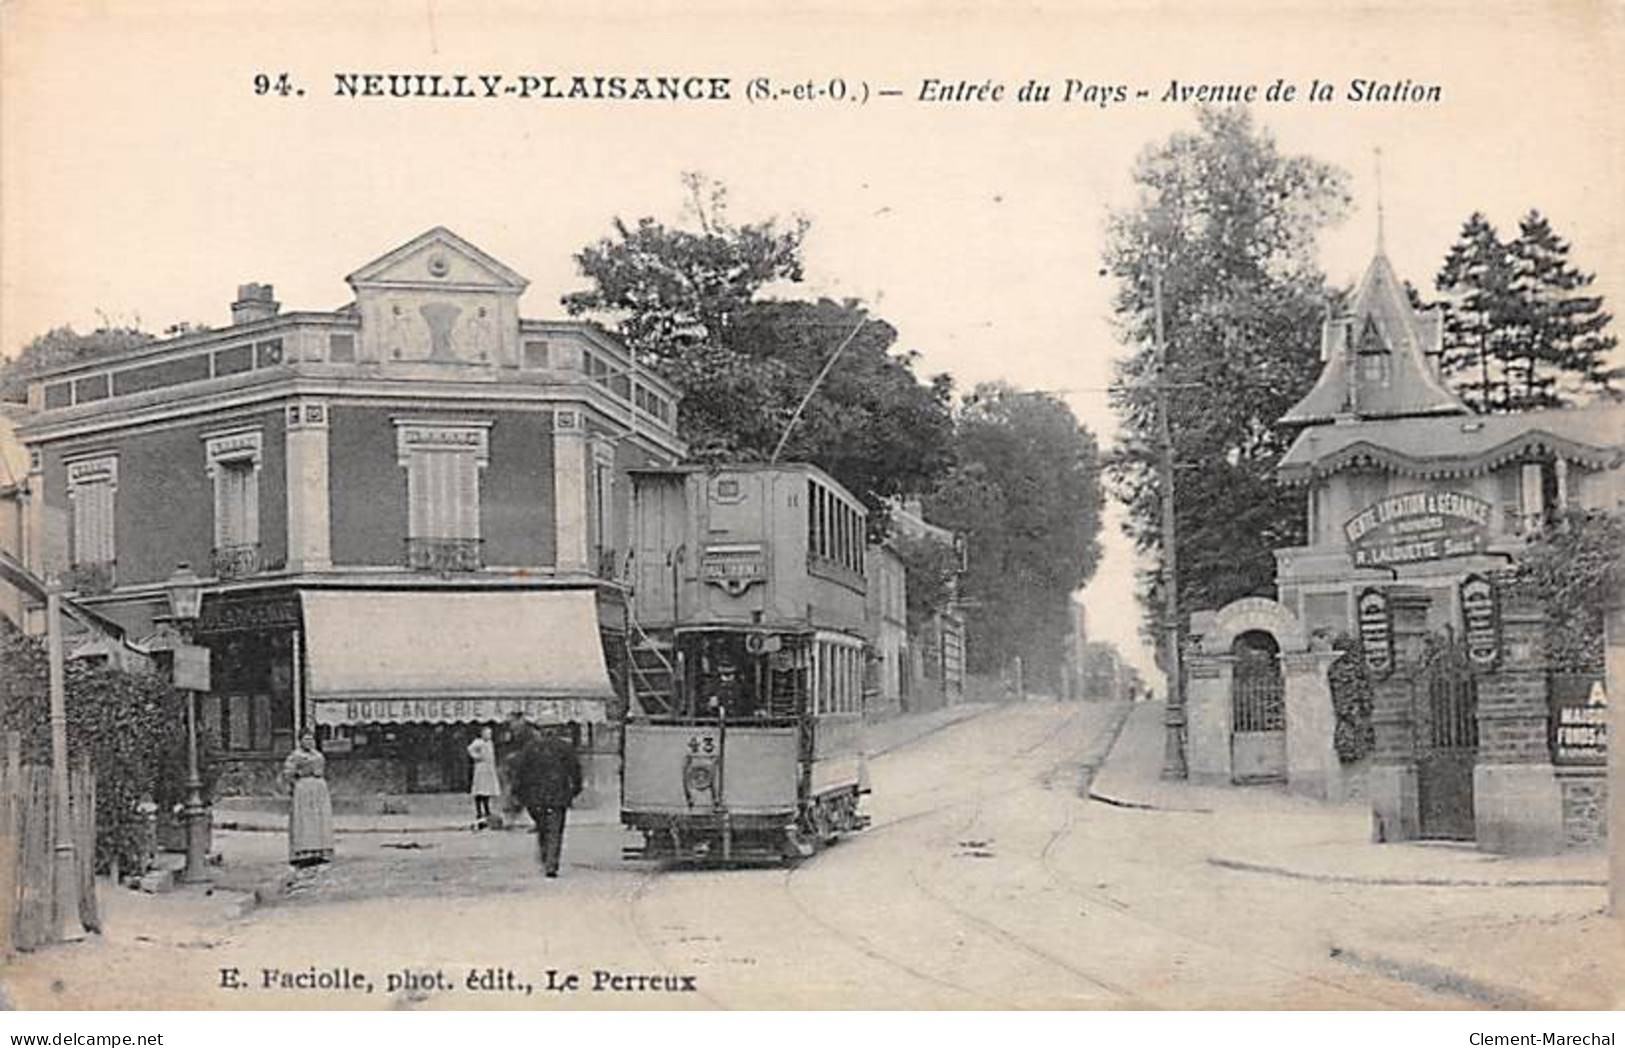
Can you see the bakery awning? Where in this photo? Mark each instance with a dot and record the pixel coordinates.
(399, 657)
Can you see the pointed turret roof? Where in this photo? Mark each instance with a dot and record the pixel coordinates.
(1381, 358)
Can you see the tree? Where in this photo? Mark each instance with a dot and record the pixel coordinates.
(1520, 331)
(1573, 569)
(871, 424)
(132, 727)
(691, 305)
(1565, 343)
(1026, 495)
(1229, 223)
(930, 568)
(61, 346)
(1476, 279)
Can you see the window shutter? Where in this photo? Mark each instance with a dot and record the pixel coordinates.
(467, 498)
(443, 496)
(93, 523)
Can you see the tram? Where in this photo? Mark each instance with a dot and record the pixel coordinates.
(743, 738)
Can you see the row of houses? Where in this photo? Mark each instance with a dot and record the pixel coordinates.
(412, 515)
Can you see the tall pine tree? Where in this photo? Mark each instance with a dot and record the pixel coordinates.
(1565, 339)
(1476, 279)
(1521, 332)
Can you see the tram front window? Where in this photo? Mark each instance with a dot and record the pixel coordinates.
(728, 695)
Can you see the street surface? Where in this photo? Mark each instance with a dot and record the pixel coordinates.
(987, 881)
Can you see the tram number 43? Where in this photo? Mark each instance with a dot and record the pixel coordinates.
(706, 744)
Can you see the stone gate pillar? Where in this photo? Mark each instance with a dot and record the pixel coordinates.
(1312, 767)
(1391, 781)
(1207, 717)
(1517, 800)
(1207, 706)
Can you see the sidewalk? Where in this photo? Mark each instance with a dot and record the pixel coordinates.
(1284, 835)
(1501, 931)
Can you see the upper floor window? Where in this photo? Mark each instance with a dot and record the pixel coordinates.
(603, 507)
(233, 461)
(443, 462)
(92, 485)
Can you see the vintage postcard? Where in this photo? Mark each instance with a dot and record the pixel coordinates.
(986, 506)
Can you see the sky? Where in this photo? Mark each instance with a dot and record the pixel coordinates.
(142, 178)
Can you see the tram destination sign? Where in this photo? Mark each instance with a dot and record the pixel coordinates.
(1417, 526)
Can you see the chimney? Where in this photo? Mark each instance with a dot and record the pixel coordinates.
(254, 302)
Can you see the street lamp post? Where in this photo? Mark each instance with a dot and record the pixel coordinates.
(185, 604)
(1173, 758)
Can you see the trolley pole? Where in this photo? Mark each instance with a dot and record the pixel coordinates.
(1173, 757)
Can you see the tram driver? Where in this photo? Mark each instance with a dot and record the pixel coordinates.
(729, 697)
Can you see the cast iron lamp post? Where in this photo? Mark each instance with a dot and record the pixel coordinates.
(185, 604)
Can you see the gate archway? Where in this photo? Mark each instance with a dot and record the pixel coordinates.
(1444, 714)
(1258, 709)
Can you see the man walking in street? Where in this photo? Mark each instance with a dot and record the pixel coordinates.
(546, 779)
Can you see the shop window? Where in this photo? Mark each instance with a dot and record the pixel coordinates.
(239, 723)
(245, 723)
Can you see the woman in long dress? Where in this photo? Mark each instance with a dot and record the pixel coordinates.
(310, 817)
(483, 752)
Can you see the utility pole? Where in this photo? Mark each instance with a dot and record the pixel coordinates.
(65, 872)
(1614, 687)
(1173, 757)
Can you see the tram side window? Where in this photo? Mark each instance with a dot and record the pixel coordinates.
(812, 516)
(826, 679)
(827, 529)
(837, 547)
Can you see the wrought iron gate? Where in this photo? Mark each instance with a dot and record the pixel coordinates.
(1258, 716)
(1444, 712)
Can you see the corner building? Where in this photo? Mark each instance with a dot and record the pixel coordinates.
(411, 514)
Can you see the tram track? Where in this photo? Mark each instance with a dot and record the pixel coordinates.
(646, 939)
(919, 878)
(1104, 907)
(863, 944)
